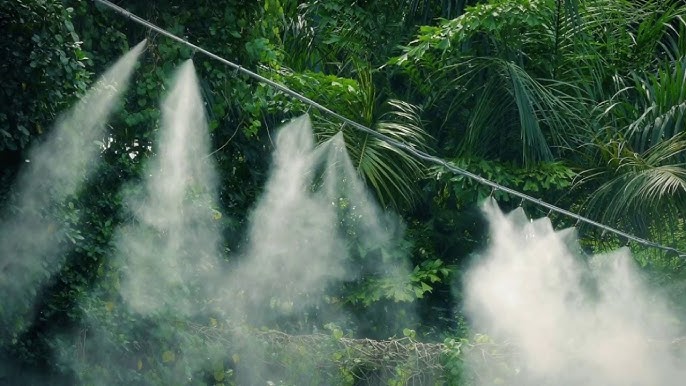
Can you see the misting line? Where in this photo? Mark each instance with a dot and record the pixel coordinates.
(415, 152)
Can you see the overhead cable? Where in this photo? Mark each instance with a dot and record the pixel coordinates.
(408, 148)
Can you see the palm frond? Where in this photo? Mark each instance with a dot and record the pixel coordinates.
(534, 144)
(598, 58)
(662, 104)
(637, 186)
(490, 111)
(392, 172)
(549, 111)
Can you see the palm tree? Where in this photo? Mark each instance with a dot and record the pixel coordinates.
(635, 171)
(489, 75)
(391, 173)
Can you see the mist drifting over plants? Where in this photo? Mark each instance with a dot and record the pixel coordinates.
(30, 243)
(572, 321)
(188, 224)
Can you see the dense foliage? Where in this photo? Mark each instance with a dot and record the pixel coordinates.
(579, 103)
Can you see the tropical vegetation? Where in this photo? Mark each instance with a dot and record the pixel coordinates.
(579, 103)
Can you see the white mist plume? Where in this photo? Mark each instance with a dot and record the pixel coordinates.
(571, 324)
(29, 242)
(172, 248)
(171, 265)
(299, 246)
(375, 228)
(295, 246)
(168, 253)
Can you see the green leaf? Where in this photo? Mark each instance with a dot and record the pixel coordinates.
(168, 356)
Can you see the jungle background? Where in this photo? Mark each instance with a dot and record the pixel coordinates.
(579, 103)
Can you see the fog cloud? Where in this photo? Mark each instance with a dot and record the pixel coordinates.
(572, 322)
(32, 239)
